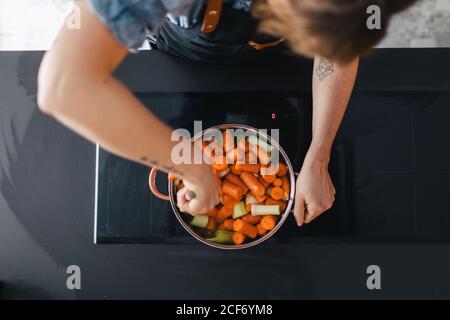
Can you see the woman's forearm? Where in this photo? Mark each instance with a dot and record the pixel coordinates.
(105, 111)
(332, 87)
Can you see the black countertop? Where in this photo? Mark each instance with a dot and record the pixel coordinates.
(47, 192)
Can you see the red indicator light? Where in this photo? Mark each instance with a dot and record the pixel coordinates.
(274, 115)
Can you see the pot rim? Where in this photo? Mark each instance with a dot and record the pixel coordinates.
(284, 215)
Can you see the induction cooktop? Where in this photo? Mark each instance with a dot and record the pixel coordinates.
(384, 171)
(126, 211)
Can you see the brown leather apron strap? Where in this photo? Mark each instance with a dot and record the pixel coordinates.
(261, 46)
(212, 16)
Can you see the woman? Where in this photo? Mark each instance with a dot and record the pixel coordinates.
(77, 86)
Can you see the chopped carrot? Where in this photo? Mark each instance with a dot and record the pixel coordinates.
(234, 170)
(212, 213)
(259, 199)
(253, 183)
(228, 200)
(272, 201)
(228, 224)
(237, 181)
(212, 224)
(277, 193)
(277, 182)
(232, 190)
(261, 230)
(251, 219)
(245, 228)
(269, 178)
(285, 187)
(238, 238)
(248, 207)
(202, 144)
(264, 182)
(248, 167)
(220, 164)
(268, 222)
(228, 140)
(224, 212)
(282, 170)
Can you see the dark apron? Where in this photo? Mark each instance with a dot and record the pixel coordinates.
(227, 44)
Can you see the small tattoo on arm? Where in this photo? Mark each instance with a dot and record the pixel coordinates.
(324, 69)
(154, 163)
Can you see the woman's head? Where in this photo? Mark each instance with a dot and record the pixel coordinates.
(334, 29)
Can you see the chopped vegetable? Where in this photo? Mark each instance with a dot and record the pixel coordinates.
(253, 183)
(212, 213)
(268, 222)
(212, 224)
(228, 224)
(234, 170)
(232, 190)
(250, 199)
(238, 238)
(239, 210)
(272, 201)
(269, 178)
(253, 192)
(224, 212)
(223, 173)
(277, 193)
(261, 230)
(251, 219)
(222, 236)
(237, 181)
(245, 228)
(282, 170)
(200, 221)
(277, 182)
(248, 167)
(264, 209)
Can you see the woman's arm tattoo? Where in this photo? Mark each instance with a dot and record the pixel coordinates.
(324, 69)
(155, 163)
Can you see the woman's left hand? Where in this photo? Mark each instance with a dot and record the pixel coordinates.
(314, 191)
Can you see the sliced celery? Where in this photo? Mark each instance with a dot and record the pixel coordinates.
(222, 236)
(265, 209)
(200, 221)
(239, 210)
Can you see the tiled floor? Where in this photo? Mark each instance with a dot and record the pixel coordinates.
(32, 24)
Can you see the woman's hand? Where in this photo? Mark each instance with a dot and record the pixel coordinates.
(314, 190)
(204, 185)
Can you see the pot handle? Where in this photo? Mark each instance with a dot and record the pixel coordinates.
(153, 187)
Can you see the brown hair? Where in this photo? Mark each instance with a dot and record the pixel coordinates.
(334, 29)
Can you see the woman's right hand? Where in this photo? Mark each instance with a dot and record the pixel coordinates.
(204, 185)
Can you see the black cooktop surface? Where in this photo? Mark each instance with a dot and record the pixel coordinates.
(385, 175)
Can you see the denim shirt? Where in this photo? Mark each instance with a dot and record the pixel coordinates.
(130, 21)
